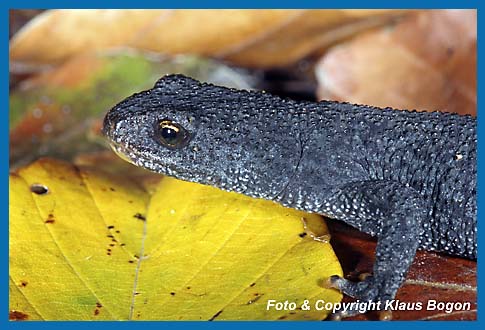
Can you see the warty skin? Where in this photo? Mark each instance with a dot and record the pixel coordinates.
(407, 177)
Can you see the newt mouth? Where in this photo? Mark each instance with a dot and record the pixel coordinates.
(116, 148)
(139, 159)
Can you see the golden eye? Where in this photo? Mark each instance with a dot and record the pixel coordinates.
(172, 134)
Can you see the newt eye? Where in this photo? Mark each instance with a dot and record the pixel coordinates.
(171, 134)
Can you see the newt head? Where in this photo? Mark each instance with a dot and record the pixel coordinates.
(233, 140)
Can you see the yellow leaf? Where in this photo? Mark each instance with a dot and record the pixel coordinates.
(88, 245)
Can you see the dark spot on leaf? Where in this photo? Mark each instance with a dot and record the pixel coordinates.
(50, 218)
(131, 202)
(108, 253)
(216, 315)
(39, 189)
(114, 240)
(252, 284)
(136, 256)
(24, 283)
(111, 227)
(17, 316)
(252, 301)
(302, 234)
(98, 304)
(122, 244)
(109, 250)
(96, 312)
(117, 231)
(110, 236)
(130, 261)
(196, 217)
(112, 189)
(282, 317)
(188, 288)
(172, 293)
(136, 293)
(140, 216)
(112, 244)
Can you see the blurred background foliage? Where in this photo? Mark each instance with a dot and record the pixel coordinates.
(68, 67)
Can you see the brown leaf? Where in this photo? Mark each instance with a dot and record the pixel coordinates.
(432, 276)
(18, 18)
(426, 62)
(73, 73)
(258, 38)
(73, 31)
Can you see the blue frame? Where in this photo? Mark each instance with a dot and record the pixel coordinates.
(29, 4)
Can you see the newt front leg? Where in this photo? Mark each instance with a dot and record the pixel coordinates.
(394, 214)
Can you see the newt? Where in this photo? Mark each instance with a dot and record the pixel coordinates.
(406, 177)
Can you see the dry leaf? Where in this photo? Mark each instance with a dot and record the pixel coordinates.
(76, 31)
(432, 276)
(426, 62)
(90, 246)
(258, 38)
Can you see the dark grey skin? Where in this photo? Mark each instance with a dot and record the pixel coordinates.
(407, 177)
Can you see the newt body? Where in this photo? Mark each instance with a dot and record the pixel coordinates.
(407, 177)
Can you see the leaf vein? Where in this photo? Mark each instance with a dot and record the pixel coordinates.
(68, 262)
